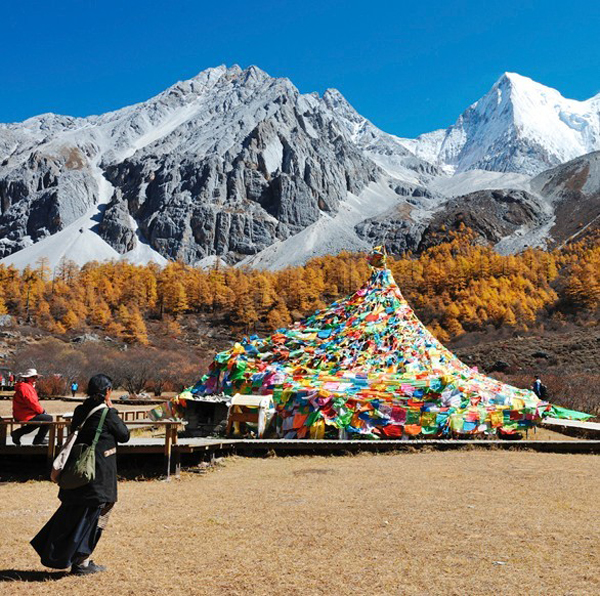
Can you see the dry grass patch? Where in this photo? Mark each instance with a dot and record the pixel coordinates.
(471, 522)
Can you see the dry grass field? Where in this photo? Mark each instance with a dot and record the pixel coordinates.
(469, 522)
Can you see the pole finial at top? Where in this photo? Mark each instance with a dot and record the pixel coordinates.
(378, 258)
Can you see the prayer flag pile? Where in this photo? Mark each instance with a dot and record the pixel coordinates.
(366, 366)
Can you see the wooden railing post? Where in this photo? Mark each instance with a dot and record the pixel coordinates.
(60, 434)
(172, 454)
(168, 441)
(51, 443)
(177, 453)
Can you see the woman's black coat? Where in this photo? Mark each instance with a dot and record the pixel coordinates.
(103, 489)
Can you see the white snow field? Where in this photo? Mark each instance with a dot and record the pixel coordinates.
(473, 180)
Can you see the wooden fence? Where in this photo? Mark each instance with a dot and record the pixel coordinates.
(58, 430)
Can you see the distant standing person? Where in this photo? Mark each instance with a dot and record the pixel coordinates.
(74, 388)
(72, 533)
(539, 388)
(27, 408)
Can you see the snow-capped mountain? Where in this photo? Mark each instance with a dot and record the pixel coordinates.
(239, 166)
(518, 126)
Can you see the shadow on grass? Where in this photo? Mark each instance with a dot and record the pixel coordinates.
(18, 575)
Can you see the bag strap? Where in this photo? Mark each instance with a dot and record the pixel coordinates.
(99, 429)
(92, 411)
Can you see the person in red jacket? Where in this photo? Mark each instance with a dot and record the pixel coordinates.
(27, 408)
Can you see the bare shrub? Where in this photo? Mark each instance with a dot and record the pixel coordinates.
(52, 358)
(177, 370)
(132, 369)
(159, 370)
(575, 391)
(51, 386)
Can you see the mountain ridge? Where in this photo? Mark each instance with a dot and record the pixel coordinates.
(234, 162)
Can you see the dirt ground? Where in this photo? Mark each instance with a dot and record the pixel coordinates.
(469, 522)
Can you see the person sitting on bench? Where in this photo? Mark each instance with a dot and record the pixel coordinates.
(27, 408)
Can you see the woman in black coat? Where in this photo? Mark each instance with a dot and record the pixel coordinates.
(72, 533)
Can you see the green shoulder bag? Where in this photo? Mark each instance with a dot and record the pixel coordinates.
(81, 467)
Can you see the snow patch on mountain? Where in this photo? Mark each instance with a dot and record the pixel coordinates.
(273, 155)
(427, 147)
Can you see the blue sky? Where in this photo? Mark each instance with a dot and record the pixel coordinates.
(410, 67)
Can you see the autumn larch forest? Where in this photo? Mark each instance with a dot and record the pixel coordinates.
(455, 287)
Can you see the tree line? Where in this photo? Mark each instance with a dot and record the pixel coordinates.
(457, 286)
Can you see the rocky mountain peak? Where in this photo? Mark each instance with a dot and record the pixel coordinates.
(225, 163)
(334, 99)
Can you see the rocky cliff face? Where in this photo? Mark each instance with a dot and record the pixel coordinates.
(43, 195)
(492, 214)
(225, 164)
(496, 216)
(286, 164)
(384, 149)
(573, 190)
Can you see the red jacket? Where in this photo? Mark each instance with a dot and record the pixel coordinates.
(26, 403)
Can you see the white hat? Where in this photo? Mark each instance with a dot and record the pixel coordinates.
(30, 372)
